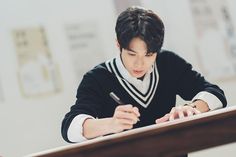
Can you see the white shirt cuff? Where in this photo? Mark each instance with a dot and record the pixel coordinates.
(75, 130)
(212, 101)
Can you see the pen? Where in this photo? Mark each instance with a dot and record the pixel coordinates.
(117, 99)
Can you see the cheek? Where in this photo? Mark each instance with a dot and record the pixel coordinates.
(127, 61)
(150, 62)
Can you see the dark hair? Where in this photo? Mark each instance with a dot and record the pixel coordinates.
(139, 22)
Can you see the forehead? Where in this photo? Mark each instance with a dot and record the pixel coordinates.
(138, 45)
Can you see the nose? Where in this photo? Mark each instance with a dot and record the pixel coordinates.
(139, 61)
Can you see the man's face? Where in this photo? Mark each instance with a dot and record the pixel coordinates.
(136, 59)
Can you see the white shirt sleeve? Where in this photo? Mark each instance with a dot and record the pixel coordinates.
(212, 101)
(75, 130)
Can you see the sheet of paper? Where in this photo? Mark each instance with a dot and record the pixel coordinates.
(216, 38)
(84, 46)
(37, 73)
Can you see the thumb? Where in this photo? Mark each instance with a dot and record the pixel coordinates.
(163, 119)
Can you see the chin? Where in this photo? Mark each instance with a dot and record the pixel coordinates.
(137, 75)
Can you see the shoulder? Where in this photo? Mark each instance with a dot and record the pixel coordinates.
(168, 55)
(100, 68)
(170, 61)
(96, 81)
(98, 72)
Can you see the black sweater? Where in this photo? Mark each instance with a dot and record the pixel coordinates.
(176, 77)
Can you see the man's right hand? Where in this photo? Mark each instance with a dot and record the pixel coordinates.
(125, 116)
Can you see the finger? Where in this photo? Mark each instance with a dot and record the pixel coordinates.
(196, 111)
(127, 127)
(180, 114)
(126, 115)
(173, 113)
(172, 117)
(173, 110)
(189, 113)
(125, 121)
(136, 111)
(130, 109)
(163, 119)
(126, 108)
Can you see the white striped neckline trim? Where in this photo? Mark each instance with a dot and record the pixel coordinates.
(144, 99)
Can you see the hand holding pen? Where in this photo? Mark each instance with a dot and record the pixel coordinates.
(126, 112)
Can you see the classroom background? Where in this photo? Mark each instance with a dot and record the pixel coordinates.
(47, 45)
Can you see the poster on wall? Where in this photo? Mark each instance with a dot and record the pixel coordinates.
(38, 75)
(216, 39)
(85, 46)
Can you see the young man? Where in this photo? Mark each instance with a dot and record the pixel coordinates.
(145, 77)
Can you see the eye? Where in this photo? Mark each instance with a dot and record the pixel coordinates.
(131, 53)
(149, 54)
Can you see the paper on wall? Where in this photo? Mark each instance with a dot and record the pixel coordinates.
(84, 46)
(37, 73)
(216, 39)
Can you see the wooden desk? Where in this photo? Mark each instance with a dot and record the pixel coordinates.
(169, 139)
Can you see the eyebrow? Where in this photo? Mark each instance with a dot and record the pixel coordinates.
(131, 50)
(135, 51)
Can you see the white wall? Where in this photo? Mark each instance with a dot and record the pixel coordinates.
(33, 124)
(180, 35)
(30, 125)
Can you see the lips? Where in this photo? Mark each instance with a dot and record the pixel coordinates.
(138, 71)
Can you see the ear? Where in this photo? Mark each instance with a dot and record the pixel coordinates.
(117, 44)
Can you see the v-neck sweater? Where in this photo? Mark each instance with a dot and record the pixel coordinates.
(171, 76)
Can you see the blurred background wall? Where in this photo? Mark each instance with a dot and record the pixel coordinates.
(46, 46)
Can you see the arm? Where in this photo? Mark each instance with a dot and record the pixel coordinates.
(89, 102)
(190, 85)
(85, 127)
(201, 106)
(125, 116)
(82, 123)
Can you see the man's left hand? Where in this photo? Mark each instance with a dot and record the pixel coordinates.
(178, 113)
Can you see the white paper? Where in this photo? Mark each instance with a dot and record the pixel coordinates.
(38, 74)
(216, 40)
(84, 46)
